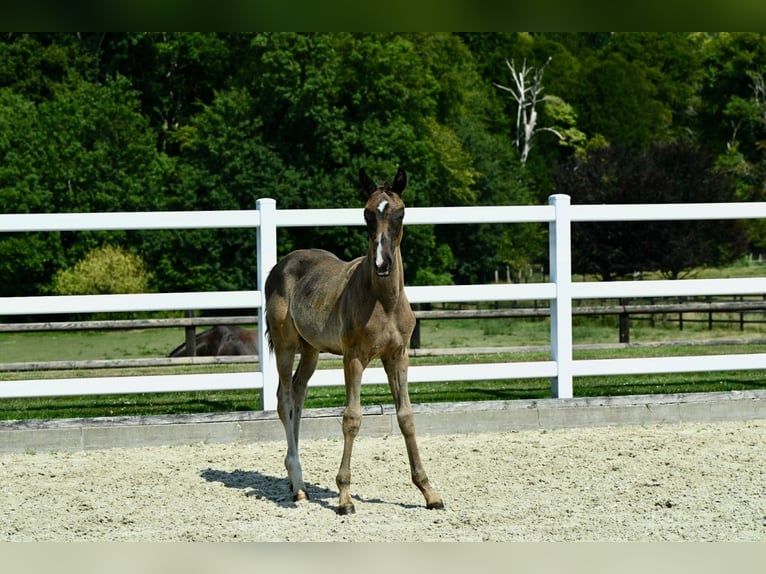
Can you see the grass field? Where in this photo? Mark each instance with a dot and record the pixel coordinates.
(31, 347)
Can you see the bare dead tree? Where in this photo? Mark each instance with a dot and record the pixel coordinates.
(527, 93)
(758, 85)
(759, 94)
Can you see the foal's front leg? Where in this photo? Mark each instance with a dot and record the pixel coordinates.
(396, 370)
(352, 420)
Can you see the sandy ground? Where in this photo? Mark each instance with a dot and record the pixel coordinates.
(701, 482)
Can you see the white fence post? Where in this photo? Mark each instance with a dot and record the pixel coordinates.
(267, 258)
(560, 253)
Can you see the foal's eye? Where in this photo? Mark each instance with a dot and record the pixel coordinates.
(397, 217)
(372, 222)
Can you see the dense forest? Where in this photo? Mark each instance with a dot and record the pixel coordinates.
(190, 121)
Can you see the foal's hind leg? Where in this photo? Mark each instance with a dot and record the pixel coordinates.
(285, 407)
(306, 367)
(290, 397)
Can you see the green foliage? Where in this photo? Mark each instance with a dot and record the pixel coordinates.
(563, 119)
(662, 173)
(75, 146)
(190, 121)
(731, 62)
(639, 88)
(103, 271)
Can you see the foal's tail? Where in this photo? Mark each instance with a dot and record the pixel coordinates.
(268, 336)
(268, 289)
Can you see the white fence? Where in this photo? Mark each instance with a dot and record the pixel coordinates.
(266, 218)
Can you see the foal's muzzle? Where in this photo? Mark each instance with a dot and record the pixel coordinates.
(383, 270)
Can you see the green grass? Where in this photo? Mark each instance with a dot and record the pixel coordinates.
(506, 332)
(88, 345)
(127, 405)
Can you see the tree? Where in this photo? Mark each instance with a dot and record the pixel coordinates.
(121, 121)
(663, 173)
(733, 120)
(223, 162)
(174, 73)
(730, 90)
(36, 66)
(83, 147)
(526, 91)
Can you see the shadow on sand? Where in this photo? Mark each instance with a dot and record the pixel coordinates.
(277, 489)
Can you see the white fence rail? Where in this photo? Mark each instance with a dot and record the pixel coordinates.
(265, 219)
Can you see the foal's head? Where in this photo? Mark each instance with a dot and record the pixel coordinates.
(384, 214)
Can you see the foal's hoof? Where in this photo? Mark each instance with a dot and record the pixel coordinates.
(438, 505)
(346, 509)
(300, 496)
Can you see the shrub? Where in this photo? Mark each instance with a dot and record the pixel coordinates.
(105, 270)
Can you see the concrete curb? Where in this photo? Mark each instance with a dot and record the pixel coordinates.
(431, 419)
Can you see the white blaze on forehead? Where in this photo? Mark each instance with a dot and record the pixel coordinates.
(382, 205)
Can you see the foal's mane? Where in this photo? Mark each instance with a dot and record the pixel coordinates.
(383, 185)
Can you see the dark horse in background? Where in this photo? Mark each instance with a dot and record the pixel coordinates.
(222, 340)
(317, 303)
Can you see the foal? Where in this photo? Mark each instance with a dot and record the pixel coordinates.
(317, 303)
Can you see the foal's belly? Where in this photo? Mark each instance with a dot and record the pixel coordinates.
(315, 307)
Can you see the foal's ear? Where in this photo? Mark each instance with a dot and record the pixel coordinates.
(400, 182)
(367, 184)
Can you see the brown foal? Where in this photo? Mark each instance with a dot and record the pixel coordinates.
(317, 303)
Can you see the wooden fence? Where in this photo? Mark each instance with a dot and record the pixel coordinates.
(561, 291)
(679, 312)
